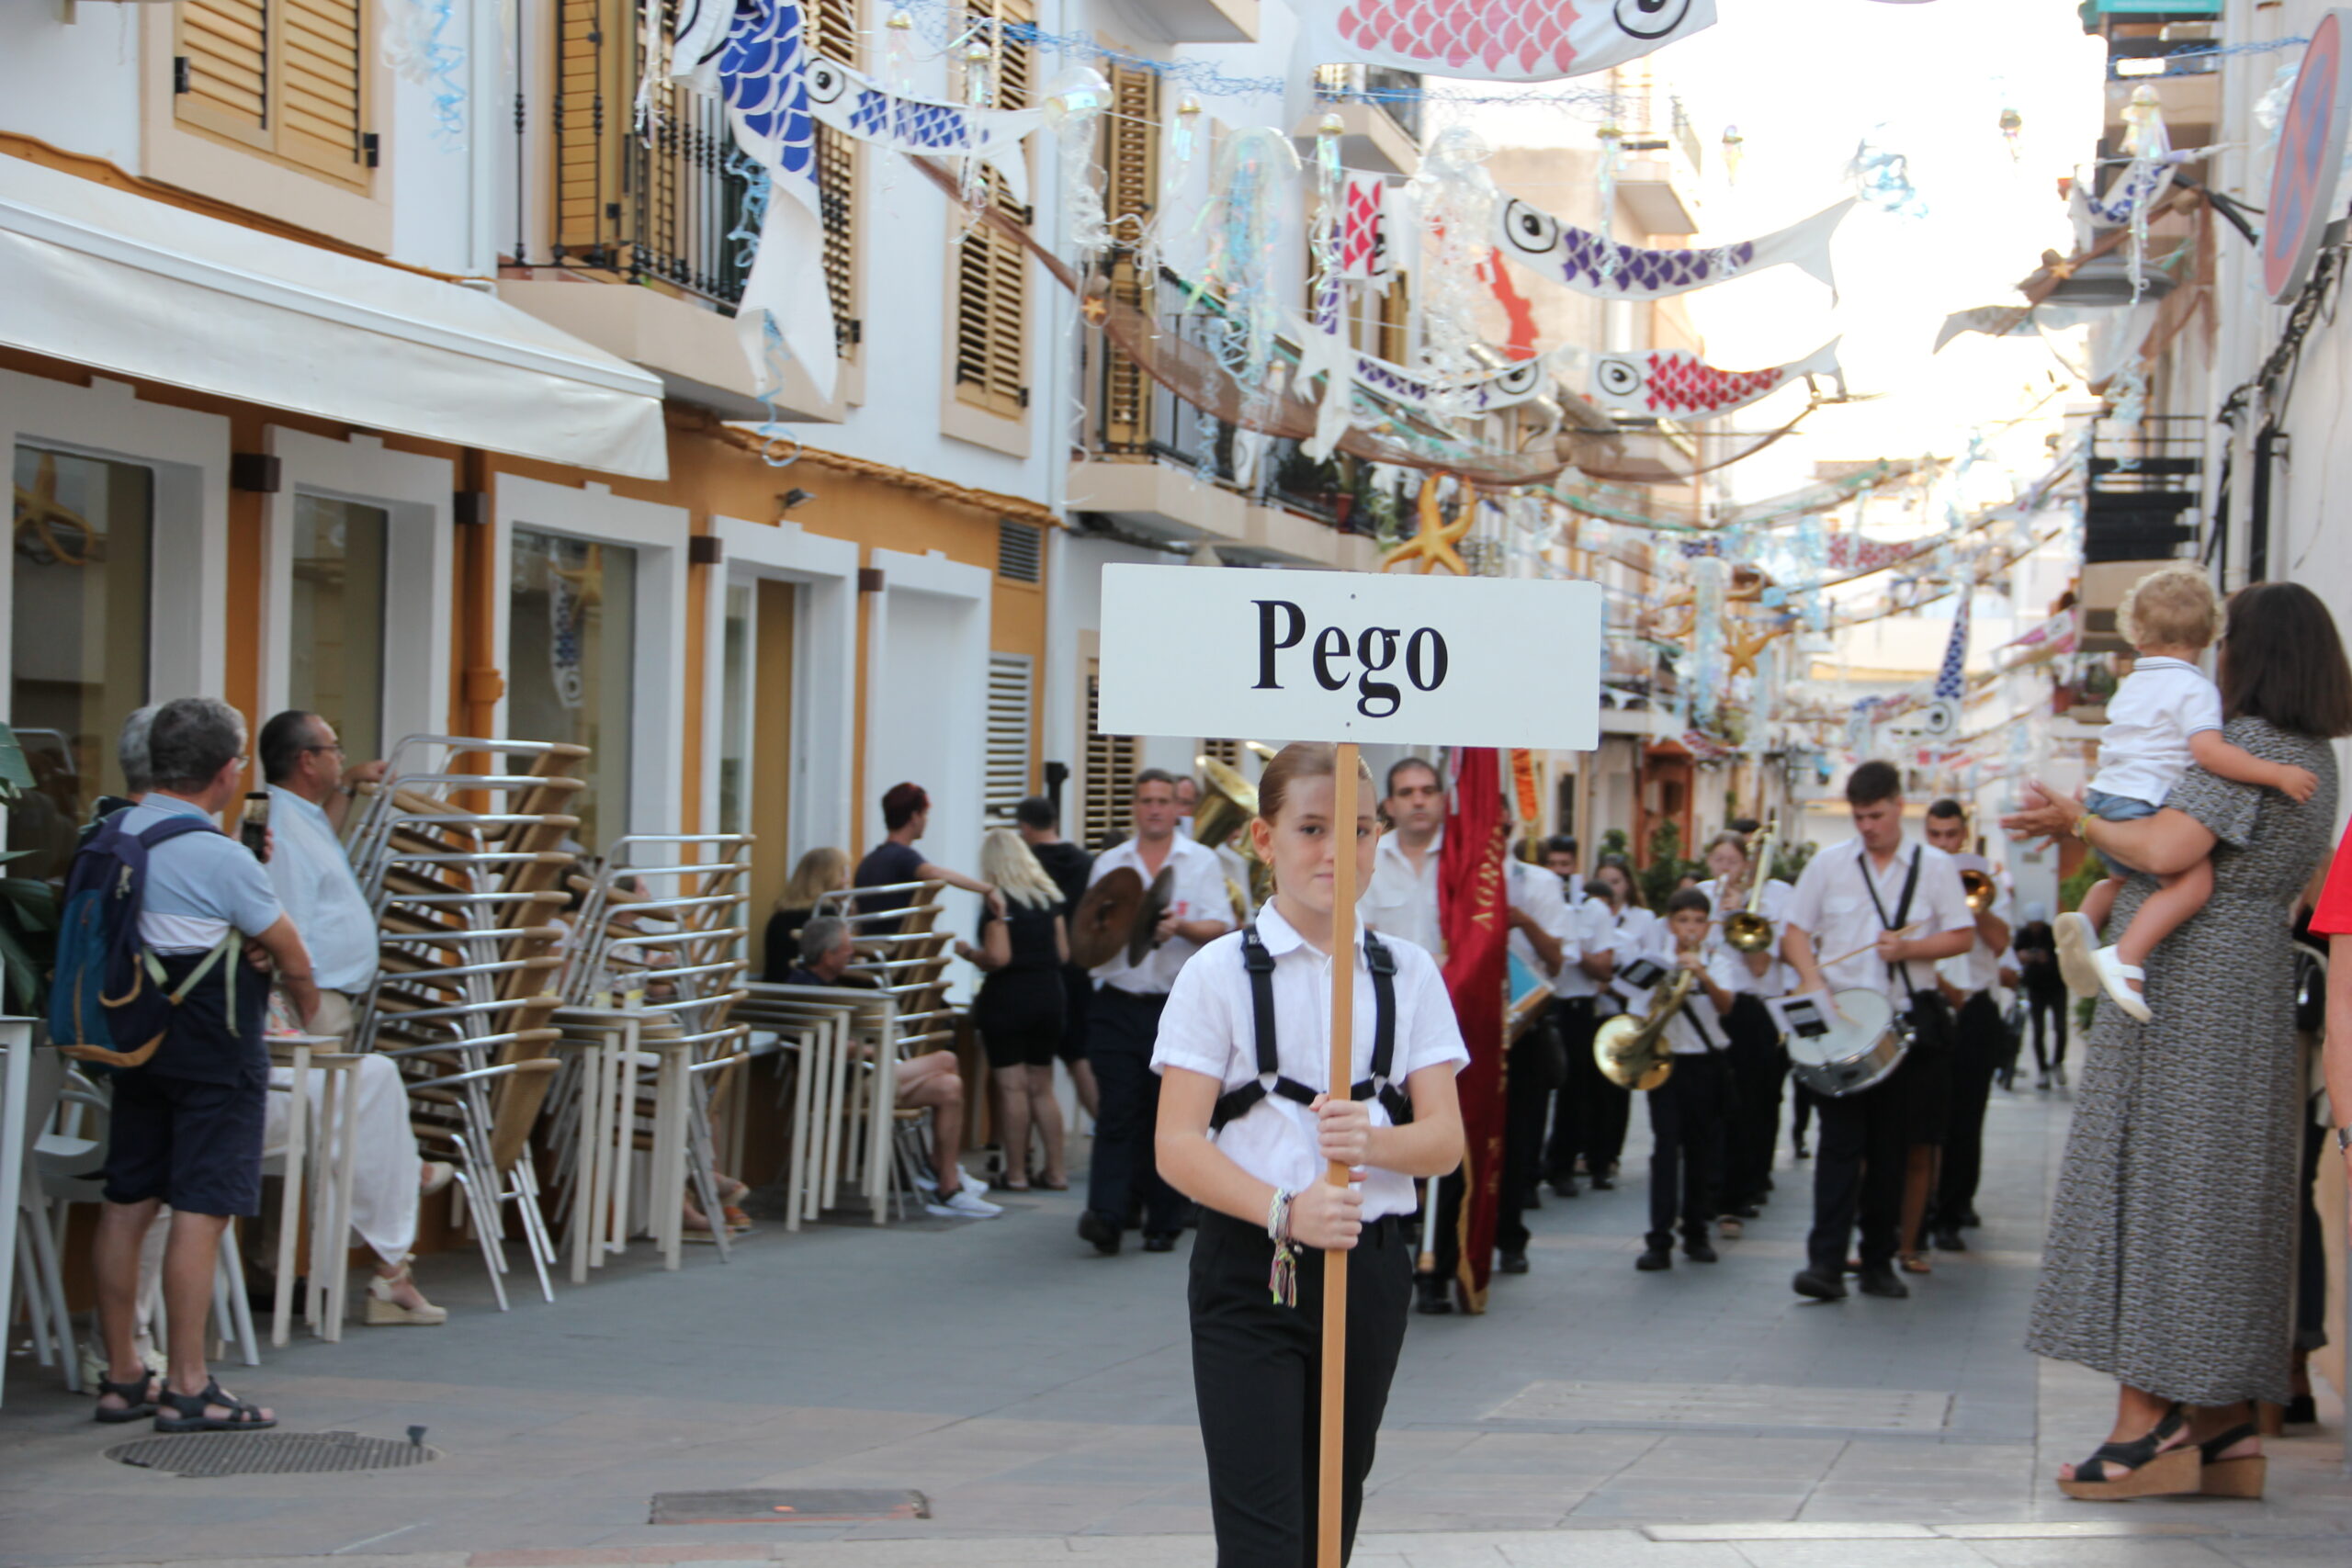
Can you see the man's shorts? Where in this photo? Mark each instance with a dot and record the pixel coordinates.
(2117, 808)
(194, 1146)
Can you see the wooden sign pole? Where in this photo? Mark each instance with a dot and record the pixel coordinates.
(1334, 1264)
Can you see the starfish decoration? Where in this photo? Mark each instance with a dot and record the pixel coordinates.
(38, 513)
(1433, 545)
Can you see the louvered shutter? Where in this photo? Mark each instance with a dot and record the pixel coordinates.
(1020, 551)
(319, 81)
(1110, 772)
(1131, 156)
(992, 271)
(1395, 316)
(835, 25)
(591, 51)
(226, 45)
(1007, 781)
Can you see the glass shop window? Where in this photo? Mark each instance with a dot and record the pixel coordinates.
(336, 636)
(571, 663)
(79, 583)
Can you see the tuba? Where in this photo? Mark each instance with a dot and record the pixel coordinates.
(1747, 931)
(1632, 1053)
(1227, 802)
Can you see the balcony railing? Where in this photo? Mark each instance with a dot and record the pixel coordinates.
(1397, 94)
(2144, 488)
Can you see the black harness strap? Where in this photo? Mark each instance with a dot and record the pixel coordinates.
(1901, 908)
(1259, 965)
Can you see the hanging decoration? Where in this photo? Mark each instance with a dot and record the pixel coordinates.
(1371, 222)
(1433, 546)
(1676, 384)
(1457, 200)
(1176, 155)
(1734, 153)
(1255, 184)
(1535, 239)
(416, 47)
(2012, 131)
(1346, 371)
(1882, 177)
(857, 106)
(1496, 40)
(1075, 103)
(1613, 159)
(1326, 283)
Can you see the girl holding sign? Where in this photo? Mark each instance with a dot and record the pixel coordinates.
(1246, 1129)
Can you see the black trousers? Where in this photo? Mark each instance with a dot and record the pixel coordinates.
(1593, 1112)
(1686, 1147)
(1120, 1028)
(1755, 1065)
(1527, 1106)
(1980, 1044)
(2052, 1005)
(1257, 1376)
(1857, 1173)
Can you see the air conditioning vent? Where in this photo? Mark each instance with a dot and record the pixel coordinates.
(1020, 552)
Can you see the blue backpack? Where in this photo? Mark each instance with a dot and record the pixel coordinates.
(108, 1001)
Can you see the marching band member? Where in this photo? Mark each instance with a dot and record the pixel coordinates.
(1594, 1112)
(1687, 1111)
(1244, 1131)
(1885, 918)
(1980, 1044)
(1756, 1062)
(1575, 992)
(1125, 1015)
(1543, 936)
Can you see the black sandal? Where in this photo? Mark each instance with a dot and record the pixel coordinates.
(2147, 1472)
(244, 1415)
(137, 1402)
(2239, 1477)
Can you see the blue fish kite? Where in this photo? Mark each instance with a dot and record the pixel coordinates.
(857, 106)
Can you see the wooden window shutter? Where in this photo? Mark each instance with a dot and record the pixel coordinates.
(1396, 319)
(835, 30)
(1131, 157)
(1109, 811)
(992, 270)
(593, 48)
(285, 76)
(1006, 776)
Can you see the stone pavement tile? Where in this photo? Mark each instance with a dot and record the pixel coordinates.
(2286, 1551)
(1859, 1554)
(1772, 1532)
(1613, 1548)
(2141, 1553)
(1425, 1552)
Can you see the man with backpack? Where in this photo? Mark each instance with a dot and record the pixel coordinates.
(182, 1026)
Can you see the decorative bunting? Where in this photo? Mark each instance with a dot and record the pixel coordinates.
(1674, 384)
(856, 105)
(1497, 40)
(1589, 265)
(1344, 369)
(1365, 225)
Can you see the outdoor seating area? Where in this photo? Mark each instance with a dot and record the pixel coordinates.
(576, 1037)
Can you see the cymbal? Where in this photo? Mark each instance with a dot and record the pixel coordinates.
(1106, 917)
(1155, 904)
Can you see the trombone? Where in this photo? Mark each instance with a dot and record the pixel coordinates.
(1747, 931)
(1632, 1052)
(1979, 887)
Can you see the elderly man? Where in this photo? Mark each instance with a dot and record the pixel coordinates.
(187, 1125)
(929, 1082)
(310, 787)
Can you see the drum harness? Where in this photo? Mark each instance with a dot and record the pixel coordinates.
(1902, 909)
(1270, 1080)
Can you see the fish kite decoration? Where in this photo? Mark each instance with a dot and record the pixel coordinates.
(855, 105)
(1592, 264)
(1673, 384)
(1345, 369)
(1496, 40)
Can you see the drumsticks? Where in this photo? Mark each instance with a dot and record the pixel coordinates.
(1907, 930)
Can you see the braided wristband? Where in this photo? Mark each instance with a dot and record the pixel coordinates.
(1282, 1282)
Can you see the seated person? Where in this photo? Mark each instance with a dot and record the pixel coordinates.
(929, 1081)
(820, 871)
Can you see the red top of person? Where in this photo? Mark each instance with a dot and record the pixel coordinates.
(2334, 916)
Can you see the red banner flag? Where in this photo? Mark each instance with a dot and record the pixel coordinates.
(1474, 914)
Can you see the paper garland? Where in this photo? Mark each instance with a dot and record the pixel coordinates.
(1590, 265)
(1496, 40)
(1674, 384)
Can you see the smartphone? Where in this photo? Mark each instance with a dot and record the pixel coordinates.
(253, 830)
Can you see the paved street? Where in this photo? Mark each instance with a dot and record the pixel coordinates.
(1040, 1399)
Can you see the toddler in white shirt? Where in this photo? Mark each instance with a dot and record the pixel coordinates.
(2163, 716)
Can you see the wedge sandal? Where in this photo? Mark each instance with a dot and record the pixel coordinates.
(2239, 1477)
(2145, 1471)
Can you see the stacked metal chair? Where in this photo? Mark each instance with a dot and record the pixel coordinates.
(463, 851)
(904, 954)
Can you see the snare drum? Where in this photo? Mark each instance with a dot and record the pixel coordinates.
(1861, 1044)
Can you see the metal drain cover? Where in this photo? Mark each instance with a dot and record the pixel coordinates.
(204, 1454)
(807, 1507)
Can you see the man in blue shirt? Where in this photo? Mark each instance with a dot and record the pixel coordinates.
(187, 1127)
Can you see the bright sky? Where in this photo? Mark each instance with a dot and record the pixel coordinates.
(1805, 81)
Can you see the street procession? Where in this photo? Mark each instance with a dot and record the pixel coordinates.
(1259, 783)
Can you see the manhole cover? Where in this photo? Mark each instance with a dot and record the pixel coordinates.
(786, 1507)
(1726, 1404)
(271, 1453)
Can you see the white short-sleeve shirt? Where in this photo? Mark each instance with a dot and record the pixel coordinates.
(1401, 900)
(1630, 934)
(1596, 926)
(1546, 899)
(1777, 978)
(1209, 1027)
(1198, 895)
(1833, 906)
(2145, 748)
(1979, 969)
(1697, 1026)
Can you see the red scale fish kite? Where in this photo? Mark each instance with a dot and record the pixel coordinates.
(1672, 384)
(1497, 40)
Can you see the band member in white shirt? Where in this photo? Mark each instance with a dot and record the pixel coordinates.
(1574, 991)
(1593, 1112)
(1980, 1042)
(1246, 1126)
(1869, 916)
(1687, 1111)
(1756, 1062)
(1125, 1017)
(1545, 937)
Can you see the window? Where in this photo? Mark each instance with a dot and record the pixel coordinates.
(79, 586)
(834, 25)
(1007, 768)
(992, 268)
(336, 637)
(1110, 772)
(284, 77)
(571, 657)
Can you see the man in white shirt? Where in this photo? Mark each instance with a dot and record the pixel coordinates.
(1544, 938)
(1883, 919)
(311, 788)
(1123, 1019)
(1575, 991)
(1755, 1064)
(1979, 1039)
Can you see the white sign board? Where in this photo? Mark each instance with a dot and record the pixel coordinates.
(1351, 656)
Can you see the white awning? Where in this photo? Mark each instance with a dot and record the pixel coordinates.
(109, 279)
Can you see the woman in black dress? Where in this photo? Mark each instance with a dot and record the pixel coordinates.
(1020, 1008)
(820, 871)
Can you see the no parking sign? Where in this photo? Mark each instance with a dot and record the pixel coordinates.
(2310, 151)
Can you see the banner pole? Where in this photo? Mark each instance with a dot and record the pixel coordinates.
(1334, 1264)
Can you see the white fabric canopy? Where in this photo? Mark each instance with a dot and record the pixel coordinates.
(109, 279)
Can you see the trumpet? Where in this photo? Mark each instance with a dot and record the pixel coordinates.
(1632, 1052)
(1747, 931)
(1980, 888)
